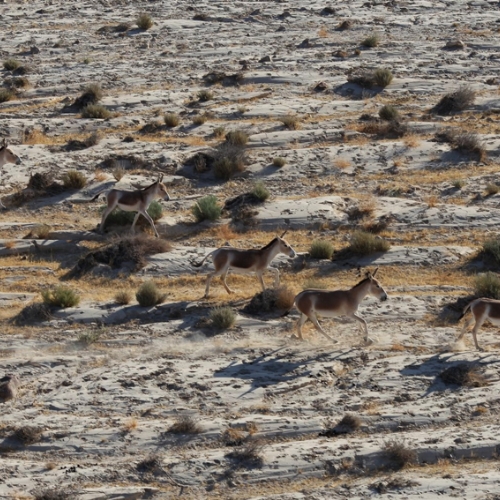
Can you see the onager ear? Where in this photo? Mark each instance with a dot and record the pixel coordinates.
(160, 178)
(286, 231)
(4, 143)
(374, 273)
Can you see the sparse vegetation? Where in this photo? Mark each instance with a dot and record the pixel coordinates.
(279, 162)
(464, 375)
(363, 243)
(6, 95)
(260, 191)
(291, 122)
(382, 77)
(148, 295)
(150, 464)
(458, 183)
(456, 101)
(487, 285)
(270, 300)
(219, 132)
(233, 437)
(237, 138)
(207, 208)
(492, 188)
(96, 111)
(52, 494)
(123, 297)
(89, 337)
(73, 179)
(249, 455)
(171, 120)
(185, 424)
(205, 95)
(200, 119)
(371, 41)
(321, 249)
(399, 454)
(144, 21)
(11, 64)
(222, 318)
(33, 313)
(28, 434)
(60, 296)
(388, 113)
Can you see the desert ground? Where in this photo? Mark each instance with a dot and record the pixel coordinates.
(332, 121)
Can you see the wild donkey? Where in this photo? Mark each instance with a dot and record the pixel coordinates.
(337, 303)
(247, 261)
(135, 201)
(482, 310)
(7, 156)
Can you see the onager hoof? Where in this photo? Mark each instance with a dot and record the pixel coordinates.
(369, 341)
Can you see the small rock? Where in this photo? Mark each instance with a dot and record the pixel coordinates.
(265, 59)
(8, 387)
(320, 87)
(34, 50)
(455, 45)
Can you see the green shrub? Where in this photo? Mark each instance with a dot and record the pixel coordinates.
(222, 318)
(205, 95)
(207, 208)
(388, 113)
(97, 111)
(321, 250)
(171, 120)
(371, 41)
(260, 192)
(89, 337)
(492, 248)
(144, 21)
(237, 138)
(382, 77)
(60, 296)
(73, 179)
(291, 122)
(6, 95)
(219, 132)
(11, 64)
(363, 243)
(279, 162)
(148, 295)
(487, 285)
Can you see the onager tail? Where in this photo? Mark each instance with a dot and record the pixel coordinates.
(465, 311)
(199, 264)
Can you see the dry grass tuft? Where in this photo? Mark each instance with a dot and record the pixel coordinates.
(291, 122)
(342, 163)
(455, 102)
(399, 455)
(250, 455)
(123, 297)
(149, 295)
(130, 424)
(185, 425)
(464, 375)
(363, 243)
(487, 285)
(233, 437)
(320, 249)
(222, 318)
(28, 435)
(271, 300)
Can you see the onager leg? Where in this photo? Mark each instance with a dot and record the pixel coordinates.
(148, 218)
(261, 279)
(303, 318)
(314, 319)
(224, 276)
(467, 325)
(108, 210)
(276, 276)
(368, 340)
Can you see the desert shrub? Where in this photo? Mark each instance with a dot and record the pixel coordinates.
(388, 113)
(312, 283)
(350, 422)
(72, 179)
(219, 132)
(222, 318)
(185, 424)
(363, 243)
(395, 129)
(492, 188)
(248, 455)
(468, 142)
(171, 119)
(199, 120)
(6, 95)
(148, 295)
(271, 299)
(233, 437)
(33, 313)
(321, 250)
(144, 21)
(52, 494)
(93, 139)
(39, 232)
(456, 101)
(96, 111)
(346, 24)
(487, 285)
(27, 434)
(11, 64)
(382, 77)
(92, 94)
(260, 191)
(237, 138)
(123, 297)
(399, 454)
(18, 82)
(458, 183)
(279, 162)
(60, 296)
(291, 122)
(464, 374)
(122, 27)
(150, 464)
(206, 208)
(89, 337)
(492, 248)
(225, 167)
(128, 252)
(361, 211)
(205, 95)
(371, 41)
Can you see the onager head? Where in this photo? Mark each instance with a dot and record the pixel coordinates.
(161, 189)
(375, 288)
(7, 156)
(285, 247)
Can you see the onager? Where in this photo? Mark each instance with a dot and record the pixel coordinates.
(135, 201)
(482, 310)
(7, 156)
(311, 303)
(247, 261)
(8, 387)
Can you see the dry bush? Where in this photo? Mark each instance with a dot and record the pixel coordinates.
(185, 424)
(388, 113)
(237, 138)
(199, 120)
(371, 41)
(222, 318)
(229, 159)
(128, 252)
(150, 464)
(60, 296)
(260, 192)
(249, 455)
(72, 179)
(492, 188)
(144, 21)
(491, 248)
(148, 294)
(394, 129)
(219, 132)
(11, 64)
(399, 455)
(27, 434)
(171, 120)
(233, 437)
(279, 162)
(52, 494)
(291, 122)
(455, 102)
(342, 163)
(206, 208)
(363, 243)
(361, 211)
(89, 337)
(205, 95)
(464, 375)
(97, 111)
(321, 250)
(487, 285)
(381, 77)
(130, 424)
(270, 300)
(6, 95)
(346, 24)
(220, 77)
(459, 183)
(33, 313)
(348, 424)
(92, 94)
(123, 297)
